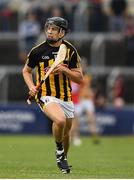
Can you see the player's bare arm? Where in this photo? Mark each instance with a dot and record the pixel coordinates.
(27, 74)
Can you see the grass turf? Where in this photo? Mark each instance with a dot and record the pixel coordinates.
(34, 157)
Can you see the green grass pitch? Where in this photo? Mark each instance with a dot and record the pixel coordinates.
(34, 157)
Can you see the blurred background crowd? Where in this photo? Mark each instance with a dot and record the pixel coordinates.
(83, 16)
(102, 31)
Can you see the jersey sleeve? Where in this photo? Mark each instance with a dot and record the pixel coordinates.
(74, 61)
(31, 59)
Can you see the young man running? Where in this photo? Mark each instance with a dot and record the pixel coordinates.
(55, 97)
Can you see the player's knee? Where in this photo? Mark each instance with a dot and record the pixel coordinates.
(61, 121)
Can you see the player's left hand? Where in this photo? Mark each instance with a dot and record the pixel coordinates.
(60, 68)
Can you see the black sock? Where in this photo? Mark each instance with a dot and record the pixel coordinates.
(59, 146)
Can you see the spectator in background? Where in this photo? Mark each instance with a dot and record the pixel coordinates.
(81, 17)
(118, 92)
(98, 18)
(68, 9)
(83, 98)
(117, 19)
(100, 98)
(29, 30)
(129, 37)
(5, 16)
(56, 11)
(116, 88)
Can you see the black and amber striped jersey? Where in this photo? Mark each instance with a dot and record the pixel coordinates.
(57, 85)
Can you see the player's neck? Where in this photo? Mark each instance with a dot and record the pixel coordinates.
(57, 44)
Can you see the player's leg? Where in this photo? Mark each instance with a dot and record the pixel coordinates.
(66, 138)
(56, 114)
(54, 111)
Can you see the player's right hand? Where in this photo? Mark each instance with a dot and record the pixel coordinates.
(33, 91)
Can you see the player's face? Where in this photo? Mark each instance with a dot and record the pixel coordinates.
(53, 32)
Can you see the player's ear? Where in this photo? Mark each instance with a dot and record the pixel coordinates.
(61, 33)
